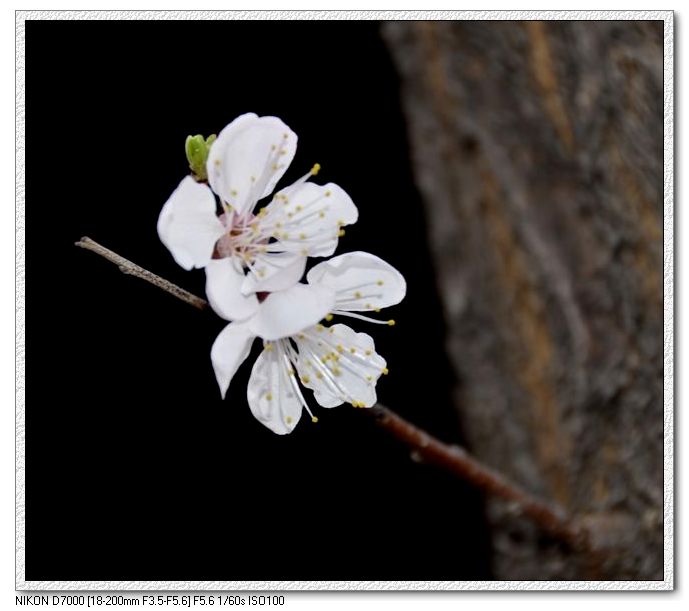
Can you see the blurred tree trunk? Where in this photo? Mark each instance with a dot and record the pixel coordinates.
(538, 151)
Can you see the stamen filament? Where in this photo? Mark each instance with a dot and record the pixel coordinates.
(361, 317)
(358, 297)
(292, 378)
(333, 386)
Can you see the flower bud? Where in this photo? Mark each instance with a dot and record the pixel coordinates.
(196, 148)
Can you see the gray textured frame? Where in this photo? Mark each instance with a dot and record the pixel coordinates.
(668, 292)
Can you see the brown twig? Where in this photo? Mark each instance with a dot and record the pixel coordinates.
(132, 269)
(456, 460)
(451, 458)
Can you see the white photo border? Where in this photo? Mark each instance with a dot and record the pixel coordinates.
(667, 17)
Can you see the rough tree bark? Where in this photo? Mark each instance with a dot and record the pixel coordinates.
(538, 151)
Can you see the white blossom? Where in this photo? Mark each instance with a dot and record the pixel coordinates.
(244, 251)
(337, 363)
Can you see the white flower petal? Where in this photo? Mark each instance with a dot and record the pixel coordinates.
(223, 283)
(274, 272)
(325, 399)
(273, 394)
(361, 281)
(307, 218)
(248, 158)
(339, 365)
(285, 313)
(188, 224)
(229, 351)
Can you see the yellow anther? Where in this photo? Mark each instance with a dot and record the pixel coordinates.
(290, 372)
(306, 379)
(385, 371)
(302, 236)
(273, 147)
(357, 295)
(380, 283)
(253, 179)
(278, 225)
(341, 223)
(299, 208)
(275, 167)
(233, 193)
(288, 420)
(319, 327)
(336, 371)
(334, 357)
(314, 419)
(391, 323)
(285, 135)
(368, 353)
(217, 162)
(269, 397)
(328, 193)
(283, 152)
(340, 349)
(331, 330)
(321, 214)
(328, 317)
(376, 310)
(268, 346)
(290, 214)
(261, 273)
(263, 211)
(369, 378)
(285, 236)
(302, 336)
(352, 350)
(341, 233)
(319, 375)
(315, 169)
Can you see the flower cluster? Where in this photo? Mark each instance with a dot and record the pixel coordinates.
(254, 262)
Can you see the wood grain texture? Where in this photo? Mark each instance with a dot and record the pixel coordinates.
(538, 150)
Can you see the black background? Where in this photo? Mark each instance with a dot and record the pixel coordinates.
(135, 469)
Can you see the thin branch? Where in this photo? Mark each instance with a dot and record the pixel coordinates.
(456, 460)
(132, 269)
(451, 458)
